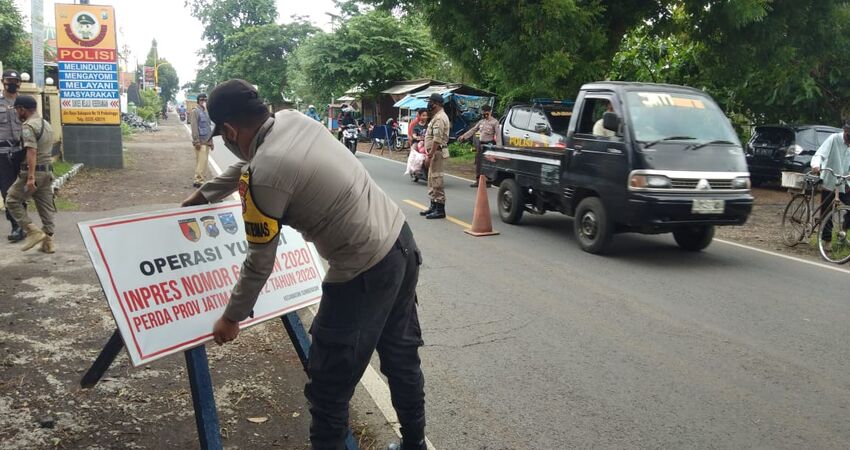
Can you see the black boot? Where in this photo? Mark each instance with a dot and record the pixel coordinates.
(404, 445)
(429, 210)
(18, 234)
(438, 213)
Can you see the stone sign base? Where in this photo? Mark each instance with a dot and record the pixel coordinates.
(94, 145)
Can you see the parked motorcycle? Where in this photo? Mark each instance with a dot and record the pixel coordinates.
(350, 136)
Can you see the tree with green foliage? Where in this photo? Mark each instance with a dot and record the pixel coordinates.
(530, 48)
(151, 105)
(763, 61)
(766, 59)
(15, 52)
(167, 79)
(260, 54)
(222, 19)
(789, 57)
(368, 51)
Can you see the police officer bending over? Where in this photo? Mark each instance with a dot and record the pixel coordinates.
(293, 172)
(36, 177)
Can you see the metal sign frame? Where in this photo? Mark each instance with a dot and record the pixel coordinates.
(200, 381)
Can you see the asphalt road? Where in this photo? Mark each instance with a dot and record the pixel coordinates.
(532, 343)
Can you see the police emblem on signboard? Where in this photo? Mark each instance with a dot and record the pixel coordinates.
(190, 228)
(210, 226)
(228, 221)
(85, 30)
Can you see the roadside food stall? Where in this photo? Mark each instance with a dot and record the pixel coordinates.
(463, 109)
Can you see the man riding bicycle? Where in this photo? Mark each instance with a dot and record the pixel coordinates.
(833, 154)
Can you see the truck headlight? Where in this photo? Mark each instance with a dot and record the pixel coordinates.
(793, 150)
(741, 183)
(649, 181)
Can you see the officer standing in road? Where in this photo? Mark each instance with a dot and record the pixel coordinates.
(436, 144)
(36, 177)
(487, 128)
(11, 153)
(293, 172)
(202, 139)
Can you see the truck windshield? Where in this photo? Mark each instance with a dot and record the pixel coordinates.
(656, 116)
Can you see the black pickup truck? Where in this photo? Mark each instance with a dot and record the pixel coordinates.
(646, 158)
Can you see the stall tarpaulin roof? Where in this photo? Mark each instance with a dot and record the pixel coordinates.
(411, 102)
(406, 87)
(419, 100)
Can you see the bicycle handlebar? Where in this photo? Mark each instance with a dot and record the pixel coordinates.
(841, 178)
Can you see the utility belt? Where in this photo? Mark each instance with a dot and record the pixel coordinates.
(38, 167)
(7, 146)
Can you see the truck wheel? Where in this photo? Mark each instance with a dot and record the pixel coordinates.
(694, 238)
(592, 228)
(511, 202)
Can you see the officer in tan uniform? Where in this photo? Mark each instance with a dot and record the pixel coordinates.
(36, 177)
(436, 144)
(293, 172)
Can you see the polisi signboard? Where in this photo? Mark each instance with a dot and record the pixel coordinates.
(167, 275)
(88, 64)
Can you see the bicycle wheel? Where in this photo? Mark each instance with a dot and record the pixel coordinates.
(795, 220)
(835, 249)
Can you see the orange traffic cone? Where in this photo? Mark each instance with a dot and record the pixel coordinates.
(481, 223)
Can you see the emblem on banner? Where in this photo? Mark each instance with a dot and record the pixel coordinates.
(190, 228)
(228, 221)
(210, 226)
(84, 29)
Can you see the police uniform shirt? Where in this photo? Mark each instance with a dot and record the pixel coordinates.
(438, 131)
(300, 176)
(38, 134)
(10, 125)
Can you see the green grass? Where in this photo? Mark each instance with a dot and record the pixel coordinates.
(462, 152)
(126, 130)
(61, 168)
(63, 204)
(839, 250)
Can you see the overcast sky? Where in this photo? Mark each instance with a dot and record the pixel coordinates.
(177, 33)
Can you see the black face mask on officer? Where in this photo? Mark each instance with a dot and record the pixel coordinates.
(11, 87)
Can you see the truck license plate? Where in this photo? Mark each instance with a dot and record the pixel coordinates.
(701, 206)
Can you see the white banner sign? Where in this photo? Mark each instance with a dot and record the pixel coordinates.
(168, 275)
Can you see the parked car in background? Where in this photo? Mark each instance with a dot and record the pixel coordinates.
(542, 123)
(776, 148)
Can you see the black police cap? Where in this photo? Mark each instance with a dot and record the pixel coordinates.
(233, 99)
(26, 102)
(11, 73)
(436, 98)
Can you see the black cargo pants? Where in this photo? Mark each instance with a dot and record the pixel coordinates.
(10, 167)
(375, 310)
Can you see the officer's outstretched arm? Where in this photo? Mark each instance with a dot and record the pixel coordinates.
(255, 272)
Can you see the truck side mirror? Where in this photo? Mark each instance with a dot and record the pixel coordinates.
(541, 128)
(611, 122)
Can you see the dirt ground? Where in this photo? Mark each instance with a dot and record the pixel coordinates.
(763, 229)
(55, 321)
